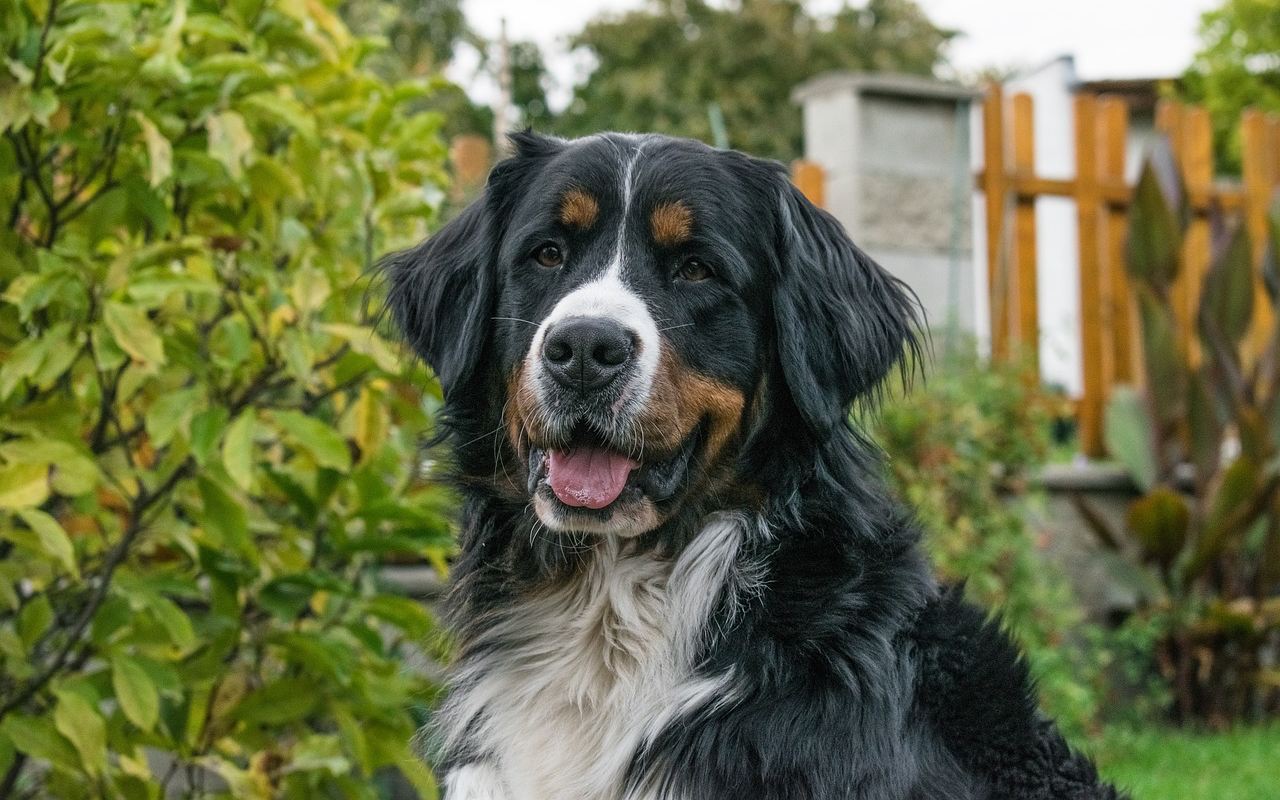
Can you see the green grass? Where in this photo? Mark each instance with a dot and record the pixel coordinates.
(1160, 764)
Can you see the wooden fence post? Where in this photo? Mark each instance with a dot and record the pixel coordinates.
(809, 178)
(1088, 210)
(1196, 158)
(1113, 130)
(1259, 166)
(1024, 233)
(994, 188)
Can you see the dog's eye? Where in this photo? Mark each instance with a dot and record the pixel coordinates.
(693, 269)
(548, 255)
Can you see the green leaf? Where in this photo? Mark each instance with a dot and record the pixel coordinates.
(134, 332)
(138, 697)
(237, 450)
(38, 738)
(231, 343)
(206, 428)
(276, 703)
(1164, 358)
(1226, 303)
(52, 539)
(82, 725)
(74, 471)
(366, 342)
(24, 485)
(408, 615)
(168, 414)
(324, 444)
(1203, 423)
(1128, 433)
(1228, 496)
(175, 622)
(224, 516)
(34, 620)
(1156, 220)
(159, 151)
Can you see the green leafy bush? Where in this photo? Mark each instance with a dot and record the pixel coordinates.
(960, 449)
(204, 453)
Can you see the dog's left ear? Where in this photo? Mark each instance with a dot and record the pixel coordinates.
(441, 294)
(841, 321)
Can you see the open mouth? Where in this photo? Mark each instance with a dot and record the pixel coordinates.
(590, 473)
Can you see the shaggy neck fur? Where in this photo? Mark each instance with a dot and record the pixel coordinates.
(567, 686)
(578, 653)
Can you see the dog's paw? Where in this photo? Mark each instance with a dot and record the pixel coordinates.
(475, 782)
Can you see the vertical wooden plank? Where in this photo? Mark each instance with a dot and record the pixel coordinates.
(1088, 207)
(1024, 234)
(1171, 121)
(1259, 173)
(995, 187)
(1113, 121)
(810, 179)
(1196, 158)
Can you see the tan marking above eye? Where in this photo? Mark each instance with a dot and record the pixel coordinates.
(578, 209)
(671, 223)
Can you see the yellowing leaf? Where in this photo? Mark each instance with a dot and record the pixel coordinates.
(77, 719)
(371, 423)
(53, 540)
(134, 332)
(159, 151)
(24, 485)
(237, 450)
(230, 142)
(138, 697)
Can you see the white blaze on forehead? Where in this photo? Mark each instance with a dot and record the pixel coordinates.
(609, 297)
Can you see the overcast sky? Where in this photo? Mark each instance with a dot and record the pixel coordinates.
(1109, 38)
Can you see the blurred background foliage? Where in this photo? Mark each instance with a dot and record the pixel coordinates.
(205, 451)
(962, 449)
(662, 67)
(1237, 66)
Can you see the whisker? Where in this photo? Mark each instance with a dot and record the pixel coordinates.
(514, 319)
(673, 327)
(481, 436)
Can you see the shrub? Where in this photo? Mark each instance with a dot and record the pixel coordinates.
(203, 452)
(1201, 439)
(960, 449)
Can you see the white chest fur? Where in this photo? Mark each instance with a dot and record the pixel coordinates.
(581, 675)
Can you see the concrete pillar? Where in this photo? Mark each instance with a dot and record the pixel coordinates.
(895, 151)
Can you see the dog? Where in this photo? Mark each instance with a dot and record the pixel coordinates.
(681, 575)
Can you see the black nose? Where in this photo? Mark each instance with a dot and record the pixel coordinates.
(585, 353)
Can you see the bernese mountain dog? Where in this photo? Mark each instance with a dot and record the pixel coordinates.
(682, 575)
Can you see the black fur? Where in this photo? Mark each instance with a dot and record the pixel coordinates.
(855, 675)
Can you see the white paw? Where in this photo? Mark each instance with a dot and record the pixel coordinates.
(475, 782)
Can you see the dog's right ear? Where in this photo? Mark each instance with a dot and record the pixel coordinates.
(442, 293)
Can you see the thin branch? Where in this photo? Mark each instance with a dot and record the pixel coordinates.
(144, 500)
(141, 504)
(42, 48)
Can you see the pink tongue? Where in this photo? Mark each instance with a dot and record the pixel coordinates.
(587, 477)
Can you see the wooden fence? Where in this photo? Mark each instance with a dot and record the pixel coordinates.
(1109, 342)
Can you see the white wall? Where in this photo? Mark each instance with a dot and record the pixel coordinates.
(1051, 88)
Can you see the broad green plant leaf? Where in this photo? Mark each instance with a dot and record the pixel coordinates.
(1127, 429)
